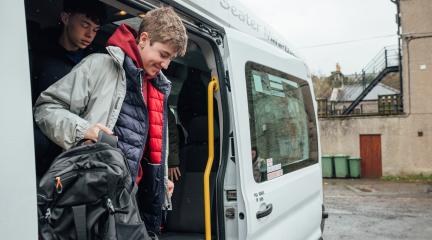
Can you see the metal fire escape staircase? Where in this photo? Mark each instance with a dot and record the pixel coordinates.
(385, 62)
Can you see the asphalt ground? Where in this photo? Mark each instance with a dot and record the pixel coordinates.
(377, 209)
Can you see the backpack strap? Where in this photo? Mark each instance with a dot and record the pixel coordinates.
(108, 139)
(80, 219)
(102, 137)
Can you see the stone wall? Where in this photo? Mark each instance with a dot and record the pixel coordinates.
(403, 152)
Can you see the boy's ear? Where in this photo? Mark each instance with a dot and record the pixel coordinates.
(64, 17)
(143, 38)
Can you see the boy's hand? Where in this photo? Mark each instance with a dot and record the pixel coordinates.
(170, 188)
(93, 132)
(174, 173)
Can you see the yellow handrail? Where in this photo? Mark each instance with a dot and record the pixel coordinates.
(212, 87)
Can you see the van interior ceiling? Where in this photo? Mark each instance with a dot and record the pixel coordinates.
(190, 76)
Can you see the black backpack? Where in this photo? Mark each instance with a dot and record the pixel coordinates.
(88, 193)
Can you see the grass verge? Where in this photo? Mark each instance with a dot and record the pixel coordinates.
(408, 178)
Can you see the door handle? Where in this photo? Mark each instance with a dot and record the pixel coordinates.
(265, 212)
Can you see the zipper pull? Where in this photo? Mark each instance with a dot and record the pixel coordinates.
(110, 206)
(58, 185)
(48, 215)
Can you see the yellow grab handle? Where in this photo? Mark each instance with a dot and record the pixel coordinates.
(212, 87)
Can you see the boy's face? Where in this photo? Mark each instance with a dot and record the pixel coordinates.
(80, 30)
(154, 56)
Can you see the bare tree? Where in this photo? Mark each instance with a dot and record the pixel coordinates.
(322, 86)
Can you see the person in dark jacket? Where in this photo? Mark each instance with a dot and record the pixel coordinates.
(174, 142)
(61, 49)
(123, 93)
(55, 56)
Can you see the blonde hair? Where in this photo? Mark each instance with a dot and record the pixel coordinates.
(165, 26)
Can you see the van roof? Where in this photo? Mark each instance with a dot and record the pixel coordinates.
(232, 13)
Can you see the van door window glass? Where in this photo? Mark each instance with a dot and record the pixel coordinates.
(282, 122)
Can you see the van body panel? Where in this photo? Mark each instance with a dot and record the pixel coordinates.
(296, 197)
(234, 14)
(18, 216)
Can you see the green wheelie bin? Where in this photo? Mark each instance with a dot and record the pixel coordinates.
(354, 167)
(341, 166)
(327, 166)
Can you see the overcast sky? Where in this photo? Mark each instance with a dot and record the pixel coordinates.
(307, 23)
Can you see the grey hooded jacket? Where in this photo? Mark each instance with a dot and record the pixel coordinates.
(93, 92)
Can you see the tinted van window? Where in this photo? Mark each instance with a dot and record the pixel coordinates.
(282, 122)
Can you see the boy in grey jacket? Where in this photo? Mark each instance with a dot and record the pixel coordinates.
(122, 93)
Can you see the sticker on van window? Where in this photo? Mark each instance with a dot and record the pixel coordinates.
(273, 171)
(268, 84)
(274, 167)
(274, 174)
(269, 162)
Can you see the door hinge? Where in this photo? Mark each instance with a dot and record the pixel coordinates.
(215, 34)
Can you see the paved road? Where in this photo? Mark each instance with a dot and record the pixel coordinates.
(373, 209)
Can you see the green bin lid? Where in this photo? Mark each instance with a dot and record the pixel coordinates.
(341, 155)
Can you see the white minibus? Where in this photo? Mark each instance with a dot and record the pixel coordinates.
(244, 107)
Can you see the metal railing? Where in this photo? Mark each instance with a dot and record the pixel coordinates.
(384, 105)
(386, 61)
(390, 104)
(387, 57)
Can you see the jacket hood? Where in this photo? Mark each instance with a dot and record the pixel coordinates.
(124, 37)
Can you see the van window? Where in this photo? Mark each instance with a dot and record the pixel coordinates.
(282, 122)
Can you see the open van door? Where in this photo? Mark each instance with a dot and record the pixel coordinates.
(17, 169)
(280, 195)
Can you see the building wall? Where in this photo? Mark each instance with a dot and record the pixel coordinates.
(403, 151)
(415, 16)
(416, 30)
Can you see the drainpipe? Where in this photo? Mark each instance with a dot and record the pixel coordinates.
(398, 21)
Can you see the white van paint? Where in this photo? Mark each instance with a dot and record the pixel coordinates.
(17, 168)
(296, 197)
(233, 14)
